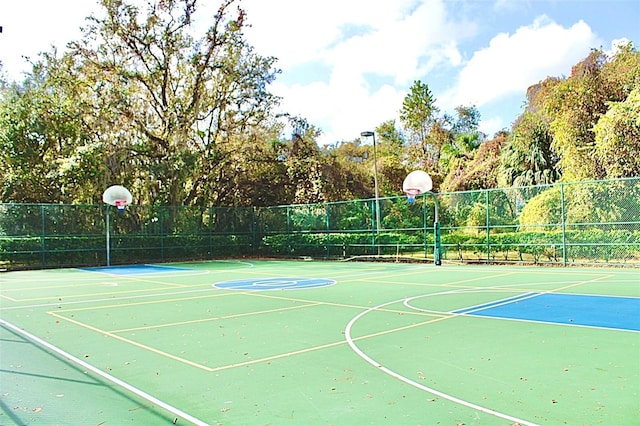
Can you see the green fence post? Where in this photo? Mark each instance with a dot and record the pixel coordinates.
(43, 239)
(373, 226)
(108, 235)
(487, 224)
(210, 227)
(162, 224)
(563, 225)
(437, 246)
(289, 230)
(327, 227)
(424, 227)
(254, 231)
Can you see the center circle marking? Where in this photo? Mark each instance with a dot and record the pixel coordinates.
(279, 283)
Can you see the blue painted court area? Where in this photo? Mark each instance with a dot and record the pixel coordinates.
(621, 313)
(280, 283)
(134, 269)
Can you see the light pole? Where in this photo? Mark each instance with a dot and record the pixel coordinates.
(375, 175)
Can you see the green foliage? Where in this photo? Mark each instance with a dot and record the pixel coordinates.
(527, 158)
(544, 208)
(419, 117)
(576, 105)
(45, 149)
(186, 119)
(478, 172)
(617, 137)
(418, 110)
(588, 203)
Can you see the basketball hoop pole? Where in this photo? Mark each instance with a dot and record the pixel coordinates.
(437, 246)
(119, 196)
(375, 179)
(108, 242)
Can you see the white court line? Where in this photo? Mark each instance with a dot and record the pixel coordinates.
(398, 376)
(105, 299)
(109, 377)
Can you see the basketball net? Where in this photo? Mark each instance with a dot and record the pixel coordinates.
(411, 194)
(121, 204)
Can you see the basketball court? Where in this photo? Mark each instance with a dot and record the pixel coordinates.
(260, 342)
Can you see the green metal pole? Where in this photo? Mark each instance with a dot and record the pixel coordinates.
(43, 244)
(487, 223)
(424, 226)
(564, 226)
(437, 246)
(108, 239)
(327, 228)
(289, 229)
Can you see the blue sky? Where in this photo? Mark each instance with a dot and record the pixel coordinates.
(348, 64)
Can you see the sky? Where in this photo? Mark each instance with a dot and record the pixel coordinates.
(347, 65)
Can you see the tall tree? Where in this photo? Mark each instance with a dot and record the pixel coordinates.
(477, 169)
(528, 158)
(419, 117)
(392, 162)
(458, 152)
(346, 174)
(45, 147)
(578, 102)
(617, 136)
(178, 108)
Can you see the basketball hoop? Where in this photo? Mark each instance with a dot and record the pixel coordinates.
(121, 204)
(412, 193)
(416, 183)
(118, 196)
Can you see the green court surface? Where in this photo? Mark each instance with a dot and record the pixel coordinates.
(320, 343)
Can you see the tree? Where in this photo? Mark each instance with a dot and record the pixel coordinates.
(303, 163)
(392, 164)
(478, 172)
(467, 120)
(419, 118)
(577, 103)
(617, 138)
(45, 146)
(464, 139)
(177, 109)
(345, 172)
(527, 158)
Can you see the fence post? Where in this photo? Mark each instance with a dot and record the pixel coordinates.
(424, 227)
(255, 241)
(210, 227)
(327, 227)
(563, 222)
(108, 235)
(289, 229)
(162, 225)
(487, 224)
(43, 239)
(373, 226)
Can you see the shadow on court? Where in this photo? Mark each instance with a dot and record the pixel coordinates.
(39, 387)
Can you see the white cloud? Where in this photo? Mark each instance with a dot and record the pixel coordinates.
(341, 113)
(492, 126)
(398, 42)
(615, 46)
(371, 51)
(513, 62)
(33, 26)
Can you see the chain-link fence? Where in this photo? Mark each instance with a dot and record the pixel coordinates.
(583, 223)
